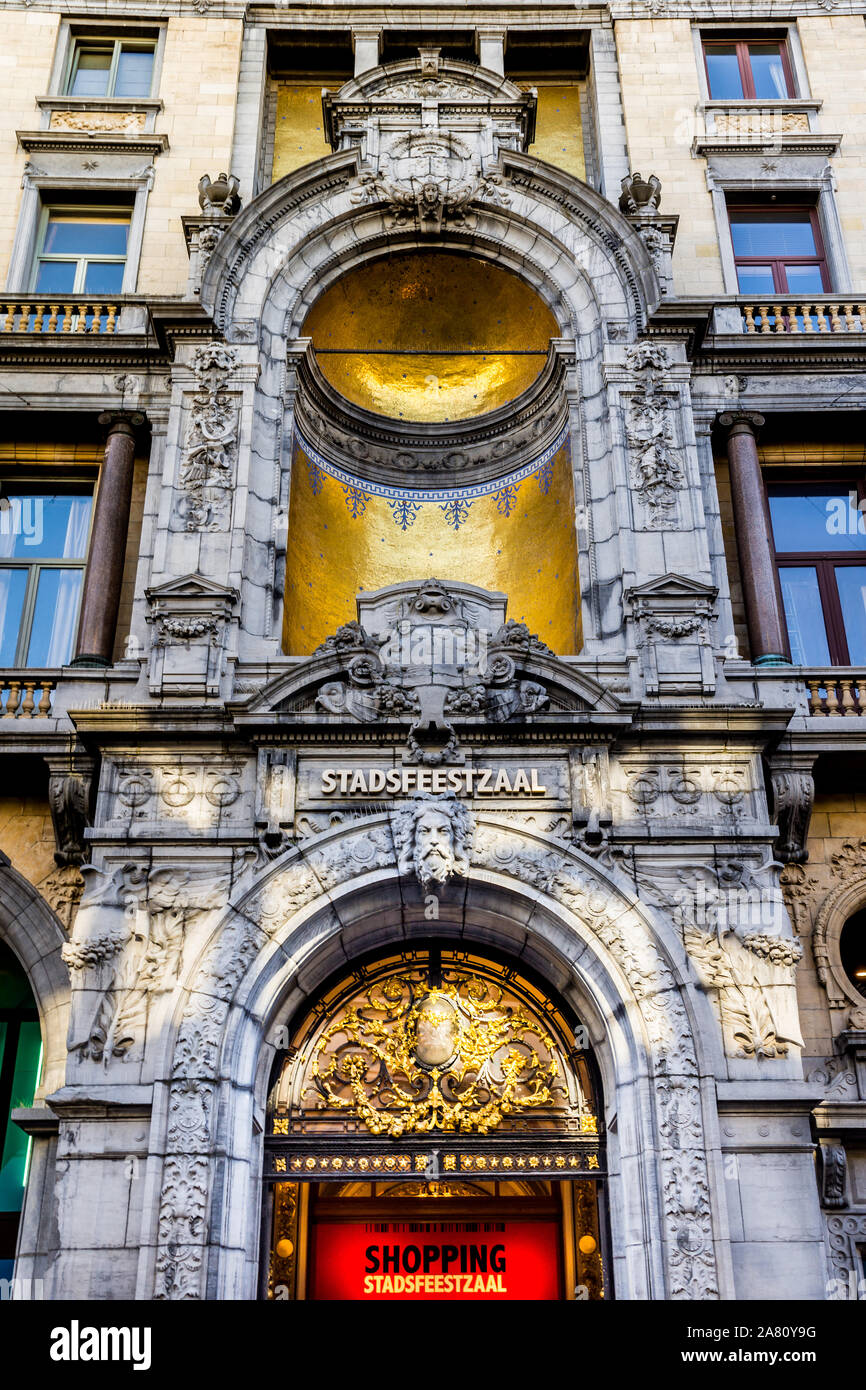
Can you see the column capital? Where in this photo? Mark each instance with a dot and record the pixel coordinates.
(747, 420)
(121, 421)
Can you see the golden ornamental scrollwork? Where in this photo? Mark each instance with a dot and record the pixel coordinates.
(467, 1054)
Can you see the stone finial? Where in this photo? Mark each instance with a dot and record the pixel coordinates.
(640, 197)
(218, 197)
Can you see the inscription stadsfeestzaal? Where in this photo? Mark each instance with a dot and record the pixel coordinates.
(466, 781)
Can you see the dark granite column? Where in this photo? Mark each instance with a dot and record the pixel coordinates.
(101, 598)
(765, 613)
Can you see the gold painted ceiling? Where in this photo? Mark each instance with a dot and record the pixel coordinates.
(430, 336)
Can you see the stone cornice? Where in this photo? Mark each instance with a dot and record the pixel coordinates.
(397, 452)
(76, 142)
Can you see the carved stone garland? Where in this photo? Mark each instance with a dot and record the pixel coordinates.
(207, 467)
(185, 1194)
(656, 465)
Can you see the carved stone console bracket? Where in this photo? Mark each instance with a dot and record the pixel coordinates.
(70, 778)
(276, 781)
(793, 789)
(589, 771)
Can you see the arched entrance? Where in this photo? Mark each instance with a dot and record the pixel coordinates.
(433, 1132)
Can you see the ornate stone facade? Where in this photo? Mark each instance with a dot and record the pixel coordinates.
(632, 824)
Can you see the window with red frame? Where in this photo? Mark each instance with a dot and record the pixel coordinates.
(778, 249)
(819, 533)
(748, 70)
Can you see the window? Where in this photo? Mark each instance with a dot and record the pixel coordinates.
(111, 68)
(43, 545)
(819, 531)
(852, 949)
(748, 70)
(20, 1065)
(82, 251)
(778, 250)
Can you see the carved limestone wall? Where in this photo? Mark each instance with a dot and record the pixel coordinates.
(608, 919)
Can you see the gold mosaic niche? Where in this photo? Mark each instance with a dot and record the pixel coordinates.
(299, 134)
(530, 555)
(431, 336)
(476, 1050)
(299, 128)
(558, 126)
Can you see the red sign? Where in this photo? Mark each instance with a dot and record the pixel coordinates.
(435, 1260)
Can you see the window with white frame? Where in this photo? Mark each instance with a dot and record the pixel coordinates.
(111, 67)
(81, 250)
(44, 532)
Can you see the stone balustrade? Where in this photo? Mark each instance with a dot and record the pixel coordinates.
(837, 695)
(26, 695)
(56, 317)
(817, 316)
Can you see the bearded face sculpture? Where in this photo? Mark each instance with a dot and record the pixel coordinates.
(433, 835)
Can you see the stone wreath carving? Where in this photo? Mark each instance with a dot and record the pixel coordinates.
(548, 868)
(207, 466)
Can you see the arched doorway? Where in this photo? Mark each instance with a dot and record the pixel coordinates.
(433, 1133)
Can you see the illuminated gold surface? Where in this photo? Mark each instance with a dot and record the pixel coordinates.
(430, 337)
(558, 129)
(529, 555)
(299, 134)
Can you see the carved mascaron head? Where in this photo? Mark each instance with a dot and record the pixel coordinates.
(433, 836)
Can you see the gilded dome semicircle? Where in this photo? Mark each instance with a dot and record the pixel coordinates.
(430, 336)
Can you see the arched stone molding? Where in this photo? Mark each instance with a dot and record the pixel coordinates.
(541, 901)
(34, 933)
(840, 904)
(301, 234)
(574, 248)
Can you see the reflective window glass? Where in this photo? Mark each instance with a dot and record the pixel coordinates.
(817, 520)
(45, 526)
(13, 587)
(804, 279)
(805, 616)
(80, 235)
(772, 234)
(723, 72)
(768, 73)
(56, 277)
(134, 72)
(53, 627)
(91, 73)
(755, 279)
(851, 580)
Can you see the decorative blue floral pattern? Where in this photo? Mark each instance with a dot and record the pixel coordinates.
(356, 499)
(317, 476)
(544, 476)
(455, 511)
(506, 499)
(454, 502)
(404, 512)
